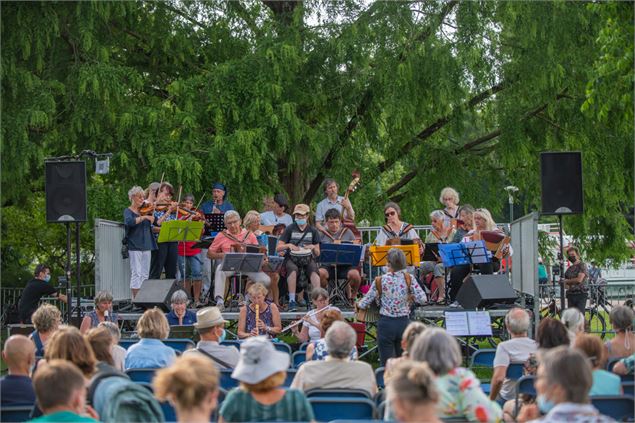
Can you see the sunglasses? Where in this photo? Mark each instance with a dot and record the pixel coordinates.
(388, 214)
(301, 215)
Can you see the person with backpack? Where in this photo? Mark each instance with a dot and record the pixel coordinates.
(395, 291)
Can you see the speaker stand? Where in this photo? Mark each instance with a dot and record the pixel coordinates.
(67, 270)
(561, 257)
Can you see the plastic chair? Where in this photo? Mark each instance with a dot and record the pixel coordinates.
(525, 385)
(179, 344)
(141, 375)
(629, 387)
(618, 407)
(298, 358)
(226, 380)
(327, 409)
(483, 358)
(282, 346)
(303, 346)
(360, 331)
(233, 342)
(168, 412)
(289, 379)
(337, 393)
(15, 413)
(379, 377)
(125, 343)
(514, 371)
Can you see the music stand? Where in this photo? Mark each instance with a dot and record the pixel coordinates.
(431, 252)
(340, 255)
(216, 221)
(273, 264)
(180, 231)
(239, 263)
(463, 253)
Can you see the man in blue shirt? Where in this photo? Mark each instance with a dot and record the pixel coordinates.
(217, 204)
(16, 388)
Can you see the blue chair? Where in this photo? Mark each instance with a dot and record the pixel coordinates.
(15, 413)
(514, 371)
(379, 377)
(610, 363)
(125, 343)
(141, 375)
(290, 375)
(233, 342)
(620, 408)
(168, 412)
(525, 385)
(483, 358)
(327, 409)
(303, 346)
(629, 387)
(298, 358)
(283, 346)
(226, 380)
(337, 393)
(179, 345)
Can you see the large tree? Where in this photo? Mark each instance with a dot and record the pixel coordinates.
(277, 95)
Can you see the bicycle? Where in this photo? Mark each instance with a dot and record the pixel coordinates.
(599, 307)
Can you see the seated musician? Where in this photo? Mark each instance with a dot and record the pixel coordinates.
(278, 214)
(332, 201)
(335, 233)
(442, 233)
(227, 241)
(300, 237)
(395, 230)
(450, 199)
(466, 223)
(252, 224)
(259, 317)
(218, 203)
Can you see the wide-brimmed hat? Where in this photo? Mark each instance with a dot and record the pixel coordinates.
(301, 209)
(281, 200)
(258, 360)
(208, 317)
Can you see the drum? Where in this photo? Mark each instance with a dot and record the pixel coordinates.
(301, 257)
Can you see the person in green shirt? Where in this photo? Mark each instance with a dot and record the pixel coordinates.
(60, 389)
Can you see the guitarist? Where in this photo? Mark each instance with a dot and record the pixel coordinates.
(333, 201)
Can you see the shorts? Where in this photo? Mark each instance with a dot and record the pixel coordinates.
(309, 268)
(193, 267)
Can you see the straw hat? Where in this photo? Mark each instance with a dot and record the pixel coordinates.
(208, 317)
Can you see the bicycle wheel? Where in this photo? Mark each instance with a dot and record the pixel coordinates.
(595, 322)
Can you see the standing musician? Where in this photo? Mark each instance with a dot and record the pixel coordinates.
(141, 241)
(189, 260)
(165, 256)
(278, 214)
(225, 242)
(298, 238)
(218, 203)
(450, 199)
(333, 201)
(335, 233)
(259, 317)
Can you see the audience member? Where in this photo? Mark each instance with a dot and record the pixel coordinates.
(211, 328)
(625, 366)
(562, 383)
(101, 313)
(150, 352)
(311, 322)
(16, 388)
(604, 383)
(459, 389)
(515, 350)
(623, 344)
(261, 372)
(117, 352)
(180, 315)
(191, 386)
(574, 322)
(34, 290)
(67, 343)
(319, 350)
(395, 291)
(100, 341)
(337, 371)
(267, 322)
(46, 320)
(61, 393)
(412, 393)
(407, 340)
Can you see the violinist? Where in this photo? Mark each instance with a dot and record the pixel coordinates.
(165, 257)
(218, 203)
(189, 259)
(223, 243)
(332, 201)
(464, 224)
(140, 239)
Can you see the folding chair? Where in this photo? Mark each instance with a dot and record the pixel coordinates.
(282, 346)
(226, 380)
(289, 379)
(15, 413)
(620, 408)
(126, 343)
(180, 345)
(141, 375)
(337, 393)
(327, 409)
(297, 359)
(483, 358)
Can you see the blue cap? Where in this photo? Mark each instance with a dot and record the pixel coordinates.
(218, 185)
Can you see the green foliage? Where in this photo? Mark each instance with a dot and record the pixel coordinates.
(276, 96)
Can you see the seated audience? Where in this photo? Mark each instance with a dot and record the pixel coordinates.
(210, 326)
(16, 388)
(150, 352)
(460, 393)
(442, 233)
(604, 383)
(267, 321)
(407, 340)
(100, 341)
(60, 389)
(562, 383)
(261, 396)
(67, 343)
(318, 350)
(625, 366)
(180, 315)
(337, 371)
(101, 313)
(515, 350)
(46, 320)
(412, 393)
(117, 352)
(574, 322)
(191, 386)
(623, 344)
(311, 321)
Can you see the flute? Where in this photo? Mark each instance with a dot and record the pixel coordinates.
(258, 318)
(309, 314)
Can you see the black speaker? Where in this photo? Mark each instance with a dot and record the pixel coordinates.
(483, 291)
(156, 293)
(561, 179)
(65, 187)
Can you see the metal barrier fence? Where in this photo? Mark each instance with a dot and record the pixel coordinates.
(10, 296)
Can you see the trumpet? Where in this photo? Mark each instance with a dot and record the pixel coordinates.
(309, 314)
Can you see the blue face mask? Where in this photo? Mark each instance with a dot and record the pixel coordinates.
(222, 336)
(47, 278)
(545, 405)
(300, 222)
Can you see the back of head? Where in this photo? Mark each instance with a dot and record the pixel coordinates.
(413, 382)
(55, 383)
(396, 259)
(622, 318)
(517, 321)
(328, 318)
(100, 341)
(410, 334)
(592, 347)
(19, 352)
(439, 349)
(67, 343)
(112, 327)
(153, 324)
(46, 318)
(340, 339)
(187, 382)
(552, 333)
(573, 320)
(569, 369)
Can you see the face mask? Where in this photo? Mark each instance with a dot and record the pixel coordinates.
(545, 405)
(300, 222)
(222, 336)
(572, 259)
(47, 278)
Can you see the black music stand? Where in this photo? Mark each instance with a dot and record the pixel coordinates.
(240, 263)
(273, 264)
(431, 252)
(340, 255)
(216, 221)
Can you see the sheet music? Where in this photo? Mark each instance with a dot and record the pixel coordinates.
(480, 323)
(456, 323)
